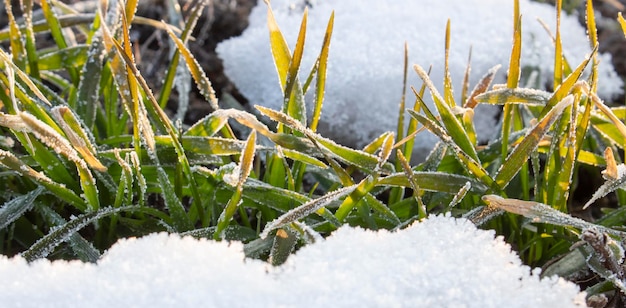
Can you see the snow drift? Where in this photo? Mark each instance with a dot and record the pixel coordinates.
(440, 262)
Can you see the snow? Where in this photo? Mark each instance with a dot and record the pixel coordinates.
(440, 262)
(366, 56)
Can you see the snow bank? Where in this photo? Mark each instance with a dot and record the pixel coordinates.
(366, 55)
(441, 262)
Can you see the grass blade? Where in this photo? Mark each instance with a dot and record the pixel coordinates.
(280, 49)
(471, 165)
(77, 136)
(592, 32)
(565, 88)
(168, 83)
(44, 246)
(558, 49)
(83, 249)
(203, 83)
(434, 181)
(358, 158)
(322, 63)
(541, 213)
(15, 208)
(481, 87)
(453, 127)
(529, 97)
(242, 171)
(306, 209)
(622, 22)
(513, 163)
(448, 96)
(180, 219)
(165, 122)
(294, 98)
(284, 243)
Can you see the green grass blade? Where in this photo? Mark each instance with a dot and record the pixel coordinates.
(592, 33)
(448, 95)
(44, 246)
(513, 78)
(358, 158)
(88, 184)
(541, 213)
(83, 249)
(301, 157)
(516, 51)
(57, 33)
(205, 145)
(283, 245)
(294, 98)
(466, 76)
(565, 88)
(16, 207)
(458, 197)
(14, 36)
(280, 49)
(380, 208)
(163, 119)
(453, 127)
(523, 150)
(396, 194)
(243, 171)
(63, 58)
(203, 83)
(77, 136)
(570, 148)
(59, 144)
(180, 219)
(434, 181)
(320, 85)
(530, 97)
(22, 76)
(168, 82)
(363, 188)
(213, 123)
(306, 209)
(471, 165)
(558, 49)
(29, 35)
(421, 207)
(87, 96)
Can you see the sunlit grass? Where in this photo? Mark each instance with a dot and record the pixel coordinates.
(88, 154)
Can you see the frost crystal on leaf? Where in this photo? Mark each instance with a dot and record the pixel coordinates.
(230, 174)
(611, 185)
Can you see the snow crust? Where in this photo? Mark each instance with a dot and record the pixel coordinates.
(440, 262)
(364, 83)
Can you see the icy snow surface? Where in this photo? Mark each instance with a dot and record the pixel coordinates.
(441, 262)
(366, 55)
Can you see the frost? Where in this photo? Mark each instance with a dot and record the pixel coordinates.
(611, 184)
(230, 173)
(183, 87)
(306, 209)
(541, 213)
(364, 78)
(424, 265)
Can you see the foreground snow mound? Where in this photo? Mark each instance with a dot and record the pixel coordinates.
(364, 84)
(441, 262)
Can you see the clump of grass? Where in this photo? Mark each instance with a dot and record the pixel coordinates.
(89, 155)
